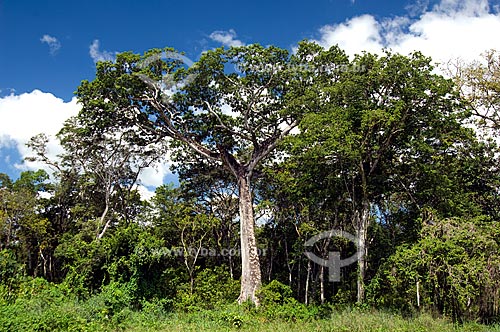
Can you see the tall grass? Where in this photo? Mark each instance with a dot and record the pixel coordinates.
(41, 306)
(75, 316)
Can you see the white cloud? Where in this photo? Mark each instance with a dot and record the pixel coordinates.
(153, 176)
(98, 55)
(449, 30)
(54, 44)
(226, 38)
(417, 7)
(144, 192)
(358, 34)
(28, 114)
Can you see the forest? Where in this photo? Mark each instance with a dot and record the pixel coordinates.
(394, 159)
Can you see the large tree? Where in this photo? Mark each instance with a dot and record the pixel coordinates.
(232, 108)
(382, 124)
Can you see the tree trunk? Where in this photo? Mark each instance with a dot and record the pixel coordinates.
(306, 295)
(250, 265)
(230, 266)
(100, 233)
(362, 221)
(287, 260)
(322, 284)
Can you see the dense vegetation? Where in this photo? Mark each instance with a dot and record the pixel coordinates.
(271, 149)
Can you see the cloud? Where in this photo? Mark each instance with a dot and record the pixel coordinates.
(357, 34)
(226, 38)
(450, 29)
(28, 114)
(144, 192)
(98, 55)
(54, 44)
(417, 7)
(154, 175)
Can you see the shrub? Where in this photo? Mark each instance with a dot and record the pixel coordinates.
(212, 288)
(112, 299)
(456, 266)
(277, 303)
(274, 293)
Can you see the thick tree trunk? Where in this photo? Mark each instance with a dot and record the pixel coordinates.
(363, 220)
(250, 265)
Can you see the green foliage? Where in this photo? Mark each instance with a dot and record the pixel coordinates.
(275, 293)
(111, 300)
(212, 288)
(83, 259)
(11, 273)
(290, 310)
(455, 265)
(46, 310)
(479, 82)
(41, 306)
(277, 303)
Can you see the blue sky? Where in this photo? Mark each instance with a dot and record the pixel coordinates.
(140, 25)
(48, 47)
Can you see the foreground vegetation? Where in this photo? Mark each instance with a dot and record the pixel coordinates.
(46, 307)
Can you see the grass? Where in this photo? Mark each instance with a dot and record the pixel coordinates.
(41, 306)
(346, 321)
(74, 316)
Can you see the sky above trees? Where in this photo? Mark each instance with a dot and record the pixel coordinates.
(46, 49)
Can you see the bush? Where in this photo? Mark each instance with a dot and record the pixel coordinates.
(290, 310)
(274, 293)
(42, 306)
(455, 265)
(112, 299)
(212, 288)
(277, 303)
(11, 274)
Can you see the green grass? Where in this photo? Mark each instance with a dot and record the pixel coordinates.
(40, 306)
(338, 322)
(75, 316)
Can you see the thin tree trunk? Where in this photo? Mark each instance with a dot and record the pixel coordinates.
(418, 294)
(287, 260)
(322, 284)
(308, 276)
(362, 220)
(269, 266)
(44, 261)
(250, 265)
(231, 266)
(100, 233)
(101, 221)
